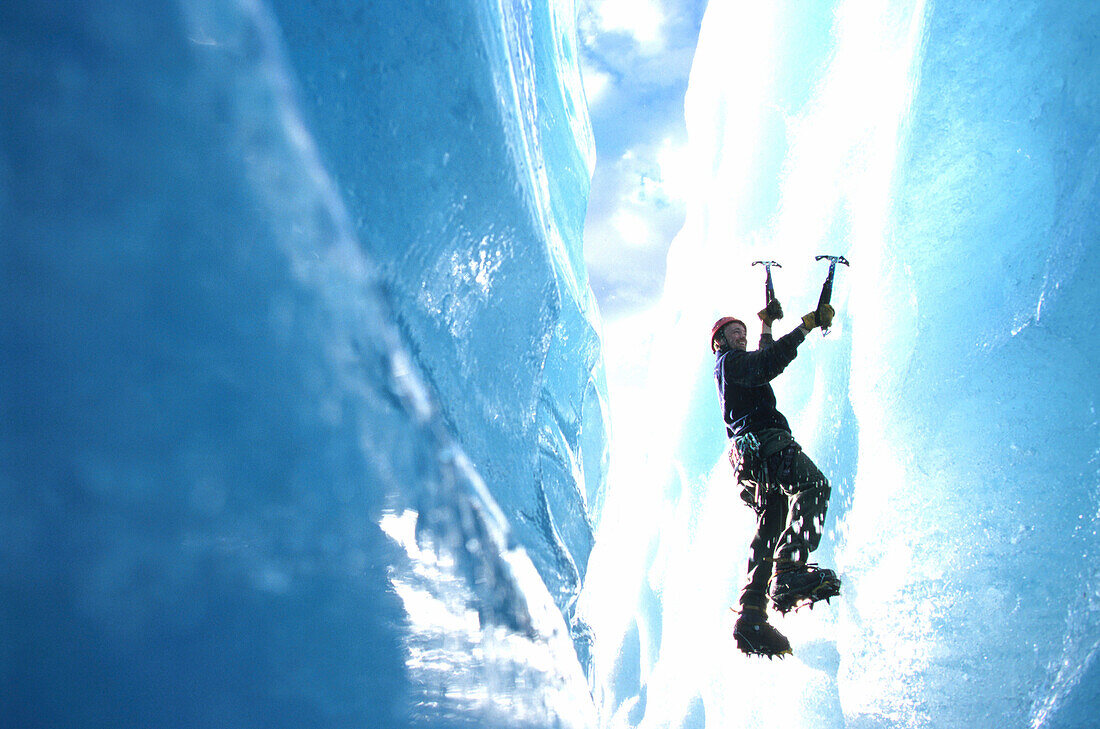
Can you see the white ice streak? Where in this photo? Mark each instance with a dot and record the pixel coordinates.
(475, 672)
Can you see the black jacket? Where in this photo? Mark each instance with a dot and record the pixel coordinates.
(748, 401)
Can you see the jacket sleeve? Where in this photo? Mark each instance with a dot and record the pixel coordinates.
(752, 369)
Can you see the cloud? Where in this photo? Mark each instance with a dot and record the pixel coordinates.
(676, 174)
(596, 83)
(636, 58)
(641, 19)
(641, 44)
(634, 213)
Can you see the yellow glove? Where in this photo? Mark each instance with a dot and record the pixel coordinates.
(823, 318)
(771, 312)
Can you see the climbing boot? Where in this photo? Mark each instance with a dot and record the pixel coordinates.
(756, 637)
(800, 585)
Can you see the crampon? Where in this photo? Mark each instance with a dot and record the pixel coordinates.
(802, 587)
(756, 637)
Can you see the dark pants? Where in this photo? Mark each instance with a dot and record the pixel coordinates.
(790, 496)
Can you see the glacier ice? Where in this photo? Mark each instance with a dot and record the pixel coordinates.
(949, 150)
(447, 185)
(303, 409)
(304, 417)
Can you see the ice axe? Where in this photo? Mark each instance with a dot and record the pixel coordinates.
(769, 290)
(827, 288)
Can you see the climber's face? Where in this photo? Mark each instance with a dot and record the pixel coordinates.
(736, 336)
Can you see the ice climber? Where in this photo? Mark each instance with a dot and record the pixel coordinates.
(781, 484)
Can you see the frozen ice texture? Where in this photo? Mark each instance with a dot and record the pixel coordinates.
(460, 143)
(302, 393)
(950, 151)
(983, 396)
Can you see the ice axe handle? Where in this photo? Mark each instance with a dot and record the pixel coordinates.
(827, 287)
(769, 289)
(826, 290)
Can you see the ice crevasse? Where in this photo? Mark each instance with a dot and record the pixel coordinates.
(303, 403)
(304, 418)
(949, 150)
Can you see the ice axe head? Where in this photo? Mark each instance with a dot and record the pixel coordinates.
(769, 290)
(833, 261)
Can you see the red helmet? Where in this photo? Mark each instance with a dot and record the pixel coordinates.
(718, 325)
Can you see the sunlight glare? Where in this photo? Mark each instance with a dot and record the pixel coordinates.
(669, 558)
(596, 83)
(676, 170)
(632, 228)
(642, 19)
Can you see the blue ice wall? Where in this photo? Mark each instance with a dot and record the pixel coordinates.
(950, 151)
(458, 135)
(296, 360)
(992, 260)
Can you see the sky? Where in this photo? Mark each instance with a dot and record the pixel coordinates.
(635, 58)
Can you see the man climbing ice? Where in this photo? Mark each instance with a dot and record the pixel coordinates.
(782, 485)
